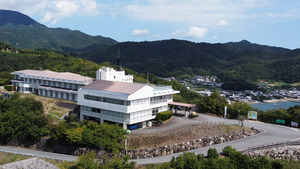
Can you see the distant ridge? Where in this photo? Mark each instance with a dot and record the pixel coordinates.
(15, 18)
(21, 31)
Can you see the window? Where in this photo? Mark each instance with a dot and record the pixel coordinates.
(54, 83)
(107, 100)
(95, 110)
(73, 96)
(65, 85)
(62, 95)
(67, 96)
(154, 112)
(56, 94)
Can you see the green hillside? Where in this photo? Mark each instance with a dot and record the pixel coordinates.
(234, 60)
(22, 32)
(12, 59)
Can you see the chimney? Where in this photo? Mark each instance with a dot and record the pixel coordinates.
(119, 62)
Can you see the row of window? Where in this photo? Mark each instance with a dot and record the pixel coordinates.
(139, 101)
(56, 94)
(160, 99)
(107, 100)
(91, 109)
(105, 112)
(54, 84)
(140, 114)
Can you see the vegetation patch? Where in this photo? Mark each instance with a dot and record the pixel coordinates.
(88, 134)
(163, 116)
(179, 135)
(9, 157)
(22, 120)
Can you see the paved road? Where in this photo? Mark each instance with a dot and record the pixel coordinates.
(35, 153)
(271, 134)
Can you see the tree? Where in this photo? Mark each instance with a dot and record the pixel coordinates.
(22, 119)
(238, 108)
(89, 161)
(213, 103)
(242, 118)
(212, 153)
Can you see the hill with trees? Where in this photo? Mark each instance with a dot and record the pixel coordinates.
(229, 61)
(23, 32)
(12, 59)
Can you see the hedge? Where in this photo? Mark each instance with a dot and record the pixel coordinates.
(165, 115)
(8, 87)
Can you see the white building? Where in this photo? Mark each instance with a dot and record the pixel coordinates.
(111, 98)
(115, 99)
(107, 73)
(48, 83)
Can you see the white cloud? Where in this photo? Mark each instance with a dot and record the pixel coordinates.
(196, 32)
(139, 32)
(60, 10)
(223, 22)
(176, 33)
(52, 11)
(215, 37)
(207, 13)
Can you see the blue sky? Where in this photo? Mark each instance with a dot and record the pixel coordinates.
(267, 22)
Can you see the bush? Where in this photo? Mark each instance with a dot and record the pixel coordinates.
(165, 115)
(228, 150)
(212, 153)
(8, 87)
(193, 115)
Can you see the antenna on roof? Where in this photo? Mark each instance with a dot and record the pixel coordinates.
(119, 61)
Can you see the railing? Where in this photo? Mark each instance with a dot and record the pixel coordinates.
(278, 144)
(161, 88)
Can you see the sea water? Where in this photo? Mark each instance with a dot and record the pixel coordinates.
(275, 105)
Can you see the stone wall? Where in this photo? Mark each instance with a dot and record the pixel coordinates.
(284, 152)
(189, 145)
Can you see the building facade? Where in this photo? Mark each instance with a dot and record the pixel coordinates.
(128, 104)
(50, 84)
(111, 98)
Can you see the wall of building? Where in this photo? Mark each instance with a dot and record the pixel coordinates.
(107, 73)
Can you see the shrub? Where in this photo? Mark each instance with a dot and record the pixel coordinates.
(165, 115)
(193, 115)
(228, 150)
(212, 153)
(8, 87)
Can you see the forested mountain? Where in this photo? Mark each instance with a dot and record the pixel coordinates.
(179, 58)
(229, 61)
(23, 32)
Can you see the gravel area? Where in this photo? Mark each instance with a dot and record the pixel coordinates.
(32, 163)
